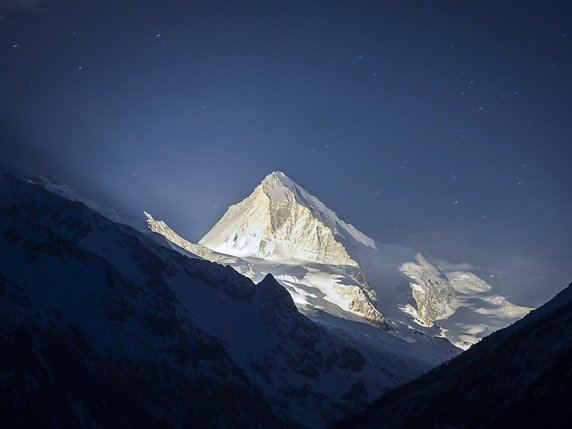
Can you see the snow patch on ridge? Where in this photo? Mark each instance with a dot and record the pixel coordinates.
(118, 216)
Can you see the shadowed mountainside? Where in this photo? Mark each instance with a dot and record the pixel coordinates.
(520, 376)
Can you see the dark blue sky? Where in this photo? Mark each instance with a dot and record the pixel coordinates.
(442, 125)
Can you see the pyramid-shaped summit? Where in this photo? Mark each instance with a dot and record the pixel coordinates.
(281, 221)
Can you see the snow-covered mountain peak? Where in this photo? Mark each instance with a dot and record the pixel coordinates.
(280, 221)
(283, 222)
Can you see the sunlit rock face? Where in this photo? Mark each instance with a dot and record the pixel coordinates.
(160, 227)
(278, 222)
(432, 292)
(463, 305)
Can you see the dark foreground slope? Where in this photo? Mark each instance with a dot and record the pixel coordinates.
(83, 345)
(520, 376)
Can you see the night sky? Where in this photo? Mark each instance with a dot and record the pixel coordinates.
(441, 125)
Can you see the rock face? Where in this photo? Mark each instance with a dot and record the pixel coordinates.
(101, 325)
(462, 304)
(160, 227)
(432, 292)
(520, 376)
(280, 221)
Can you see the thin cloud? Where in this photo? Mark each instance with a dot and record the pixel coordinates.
(450, 266)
